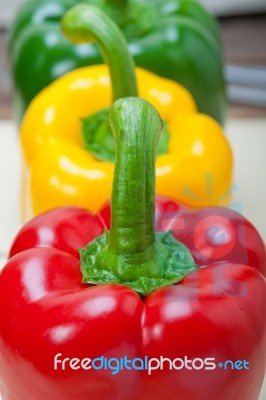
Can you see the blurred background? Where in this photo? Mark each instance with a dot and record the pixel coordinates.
(243, 27)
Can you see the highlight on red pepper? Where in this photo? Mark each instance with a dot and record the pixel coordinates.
(136, 294)
(67, 123)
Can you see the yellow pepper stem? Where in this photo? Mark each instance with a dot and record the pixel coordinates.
(85, 23)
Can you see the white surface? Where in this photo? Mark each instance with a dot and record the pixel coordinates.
(248, 139)
(9, 185)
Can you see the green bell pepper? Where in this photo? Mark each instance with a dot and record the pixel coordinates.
(176, 39)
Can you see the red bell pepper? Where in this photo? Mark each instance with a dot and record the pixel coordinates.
(139, 294)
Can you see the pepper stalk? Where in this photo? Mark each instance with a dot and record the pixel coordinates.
(132, 253)
(85, 23)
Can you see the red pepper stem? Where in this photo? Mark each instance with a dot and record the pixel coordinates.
(131, 253)
(136, 126)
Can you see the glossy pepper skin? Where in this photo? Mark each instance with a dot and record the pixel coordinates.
(217, 311)
(176, 39)
(52, 129)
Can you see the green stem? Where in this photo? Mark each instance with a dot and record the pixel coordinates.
(136, 127)
(132, 253)
(85, 23)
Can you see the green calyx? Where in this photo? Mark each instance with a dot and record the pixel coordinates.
(131, 253)
(164, 263)
(135, 17)
(85, 23)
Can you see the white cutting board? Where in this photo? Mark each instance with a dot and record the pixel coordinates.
(248, 140)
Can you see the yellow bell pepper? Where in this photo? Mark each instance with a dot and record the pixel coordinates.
(58, 170)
